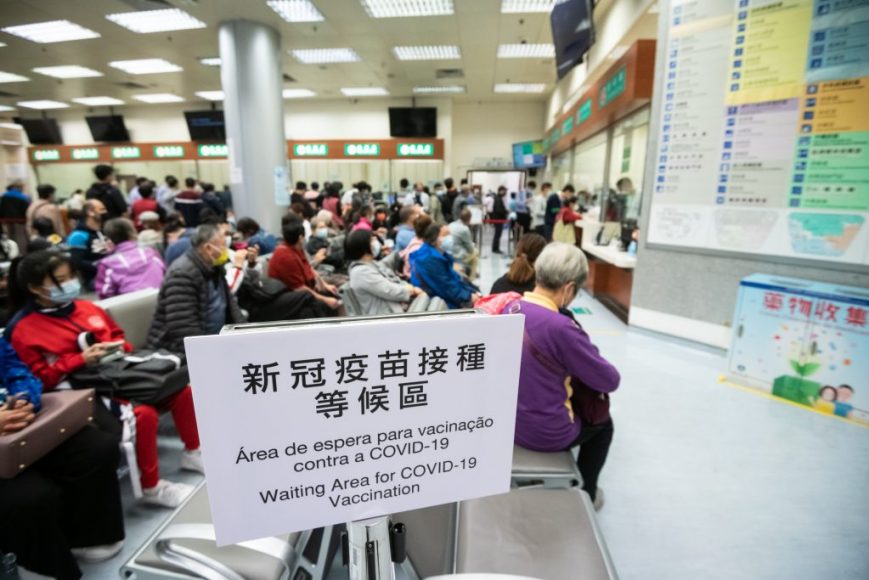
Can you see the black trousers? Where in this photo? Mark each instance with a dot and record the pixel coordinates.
(496, 241)
(594, 446)
(68, 499)
(540, 230)
(524, 221)
(296, 305)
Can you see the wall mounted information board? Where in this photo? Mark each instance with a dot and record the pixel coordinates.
(763, 143)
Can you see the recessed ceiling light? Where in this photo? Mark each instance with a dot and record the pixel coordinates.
(210, 61)
(441, 52)
(210, 95)
(6, 77)
(2, 44)
(364, 91)
(526, 51)
(154, 98)
(145, 66)
(52, 31)
(4, 108)
(98, 101)
(43, 104)
(519, 88)
(68, 72)
(444, 89)
(297, 93)
(325, 55)
(526, 6)
(404, 8)
(296, 10)
(148, 21)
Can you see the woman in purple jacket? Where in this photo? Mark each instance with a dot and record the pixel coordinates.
(129, 267)
(558, 359)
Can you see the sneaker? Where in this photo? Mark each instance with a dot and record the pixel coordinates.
(192, 461)
(166, 494)
(598, 500)
(93, 554)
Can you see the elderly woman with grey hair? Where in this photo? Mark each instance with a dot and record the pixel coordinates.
(563, 380)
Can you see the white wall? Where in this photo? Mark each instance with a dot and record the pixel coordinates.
(470, 130)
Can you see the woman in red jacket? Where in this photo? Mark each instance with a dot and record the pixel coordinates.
(47, 333)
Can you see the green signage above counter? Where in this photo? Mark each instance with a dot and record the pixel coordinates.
(213, 150)
(168, 151)
(86, 154)
(46, 155)
(126, 152)
(612, 88)
(311, 150)
(416, 150)
(584, 112)
(567, 126)
(362, 150)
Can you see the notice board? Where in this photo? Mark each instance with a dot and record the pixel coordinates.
(763, 129)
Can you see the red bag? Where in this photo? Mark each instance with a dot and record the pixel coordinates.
(496, 303)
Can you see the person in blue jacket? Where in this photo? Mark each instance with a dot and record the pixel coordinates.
(432, 269)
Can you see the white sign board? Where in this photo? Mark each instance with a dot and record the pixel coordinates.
(328, 423)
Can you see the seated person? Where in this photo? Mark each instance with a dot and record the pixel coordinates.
(405, 232)
(87, 244)
(290, 265)
(555, 353)
(145, 203)
(43, 229)
(66, 505)
(253, 235)
(377, 288)
(129, 267)
(195, 298)
(381, 220)
(176, 238)
(463, 249)
(362, 219)
(420, 226)
(432, 270)
(47, 335)
(151, 235)
(520, 277)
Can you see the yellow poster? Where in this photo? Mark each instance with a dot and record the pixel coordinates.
(836, 107)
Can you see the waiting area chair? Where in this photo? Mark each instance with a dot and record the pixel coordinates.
(549, 470)
(133, 312)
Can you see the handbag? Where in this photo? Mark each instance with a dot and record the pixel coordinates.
(264, 289)
(63, 414)
(143, 376)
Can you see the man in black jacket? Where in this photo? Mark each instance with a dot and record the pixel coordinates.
(195, 298)
(498, 214)
(103, 190)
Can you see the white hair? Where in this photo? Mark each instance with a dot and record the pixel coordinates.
(560, 263)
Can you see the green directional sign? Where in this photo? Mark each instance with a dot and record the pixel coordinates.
(584, 112)
(168, 151)
(46, 155)
(311, 149)
(362, 150)
(212, 150)
(614, 87)
(126, 152)
(416, 150)
(567, 126)
(85, 153)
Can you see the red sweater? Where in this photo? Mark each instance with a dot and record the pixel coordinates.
(48, 344)
(290, 265)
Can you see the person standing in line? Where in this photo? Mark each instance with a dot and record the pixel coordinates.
(45, 207)
(498, 213)
(553, 206)
(133, 195)
(537, 207)
(167, 193)
(105, 191)
(523, 215)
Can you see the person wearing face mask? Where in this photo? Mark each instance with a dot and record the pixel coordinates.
(195, 298)
(432, 269)
(87, 244)
(378, 289)
(559, 364)
(463, 249)
(56, 334)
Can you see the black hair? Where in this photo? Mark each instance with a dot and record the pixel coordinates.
(448, 182)
(207, 187)
(546, 185)
(292, 230)
(403, 183)
(247, 226)
(464, 181)
(301, 185)
(190, 182)
(32, 270)
(357, 244)
(171, 181)
(432, 233)
(43, 226)
(120, 230)
(146, 190)
(140, 180)
(103, 171)
(315, 186)
(569, 188)
(45, 191)
(532, 184)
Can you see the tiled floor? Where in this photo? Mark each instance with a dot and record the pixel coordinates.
(703, 481)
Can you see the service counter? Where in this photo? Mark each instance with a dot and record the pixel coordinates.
(611, 270)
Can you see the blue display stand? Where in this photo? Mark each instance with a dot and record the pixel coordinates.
(807, 342)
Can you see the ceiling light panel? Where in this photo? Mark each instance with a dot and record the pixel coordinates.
(154, 98)
(296, 10)
(297, 93)
(441, 52)
(364, 91)
(210, 61)
(526, 51)
(42, 104)
(148, 21)
(2, 44)
(210, 95)
(4, 108)
(407, 8)
(519, 88)
(325, 55)
(6, 77)
(98, 101)
(68, 72)
(145, 66)
(526, 6)
(52, 31)
(453, 89)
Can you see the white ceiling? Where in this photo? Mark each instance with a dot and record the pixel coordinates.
(477, 27)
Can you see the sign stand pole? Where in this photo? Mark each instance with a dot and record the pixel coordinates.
(372, 547)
